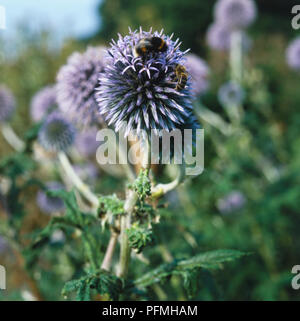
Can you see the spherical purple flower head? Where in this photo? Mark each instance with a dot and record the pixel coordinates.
(293, 54)
(43, 102)
(56, 134)
(235, 14)
(86, 142)
(76, 82)
(218, 38)
(199, 71)
(142, 91)
(49, 204)
(231, 93)
(7, 104)
(232, 202)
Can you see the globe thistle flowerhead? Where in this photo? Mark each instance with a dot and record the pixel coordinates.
(76, 82)
(56, 134)
(218, 37)
(43, 103)
(231, 93)
(293, 54)
(235, 14)
(140, 91)
(50, 204)
(86, 142)
(232, 202)
(7, 103)
(199, 72)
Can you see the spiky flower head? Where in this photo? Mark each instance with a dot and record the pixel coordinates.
(7, 103)
(86, 142)
(235, 14)
(293, 54)
(232, 202)
(231, 93)
(43, 103)
(76, 82)
(141, 91)
(56, 134)
(199, 71)
(50, 204)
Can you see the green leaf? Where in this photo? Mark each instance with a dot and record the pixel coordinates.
(208, 260)
(111, 204)
(16, 165)
(139, 237)
(142, 185)
(212, 259)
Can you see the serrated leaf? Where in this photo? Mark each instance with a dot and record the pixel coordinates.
(209, 260)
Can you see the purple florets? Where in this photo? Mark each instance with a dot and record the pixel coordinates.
(232, 202)
(56, 134)
(76, 82)
(199, 72)
(7, 104)
(43, 103)
(293, 54)
(218, 37)
(86, 142)
(50, 204)
(231, 93)
(235, 14)
(142, 91)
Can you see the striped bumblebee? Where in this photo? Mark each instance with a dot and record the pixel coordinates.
(181, 76)
(150, 45)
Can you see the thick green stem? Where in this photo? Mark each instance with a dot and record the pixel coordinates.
(125, 224)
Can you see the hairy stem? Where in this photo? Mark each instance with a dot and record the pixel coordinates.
(12, 138)
(76, 181)
(125, 224)
(106, 264)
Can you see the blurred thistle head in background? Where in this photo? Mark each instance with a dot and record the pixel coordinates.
(7, 104)
(43, 103)
(235, 14)
(231, 93)
(293, 54)
(50, 204)
(199, 71)
(218, 37)
(86, 142)
(56, 134)
(76, 82)
(141, 90)
(232, 202)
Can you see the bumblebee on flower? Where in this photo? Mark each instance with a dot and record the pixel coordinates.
(140, 90)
